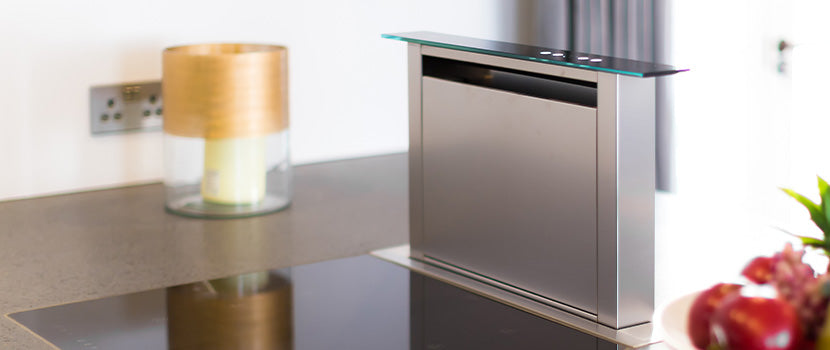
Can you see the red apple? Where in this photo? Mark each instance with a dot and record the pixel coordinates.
(755, 323)
(702, 310)
(759, 270)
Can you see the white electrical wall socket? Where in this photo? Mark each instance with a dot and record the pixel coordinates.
(125, 107)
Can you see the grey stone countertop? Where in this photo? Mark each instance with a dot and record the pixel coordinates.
(84, 246)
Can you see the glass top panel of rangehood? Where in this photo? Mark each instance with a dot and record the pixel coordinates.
(538, 54)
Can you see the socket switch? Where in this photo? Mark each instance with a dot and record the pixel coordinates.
(125, 107)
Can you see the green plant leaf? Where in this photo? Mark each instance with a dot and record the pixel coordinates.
(812, 242)
(816, 214)
(825, 199)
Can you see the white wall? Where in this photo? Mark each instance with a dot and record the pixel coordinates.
(731, 108)
(809, 114)
(348, 86)
(742, 131)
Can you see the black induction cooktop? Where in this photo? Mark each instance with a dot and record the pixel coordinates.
(352, 303)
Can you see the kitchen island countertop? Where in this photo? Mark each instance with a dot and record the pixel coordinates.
(90, 245)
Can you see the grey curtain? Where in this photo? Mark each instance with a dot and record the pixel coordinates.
(633, 29)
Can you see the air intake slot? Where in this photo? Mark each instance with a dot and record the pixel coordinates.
(525, 83)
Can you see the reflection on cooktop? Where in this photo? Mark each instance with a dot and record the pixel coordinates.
(352, 303)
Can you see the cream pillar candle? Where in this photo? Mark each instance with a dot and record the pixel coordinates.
(234, 170)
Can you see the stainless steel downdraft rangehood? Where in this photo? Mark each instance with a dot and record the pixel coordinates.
(532, 169)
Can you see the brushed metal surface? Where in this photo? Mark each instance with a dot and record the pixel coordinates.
(607, 199)
(635, 195)
(626, 180)
(543, 68)
(623, 193)
(510, 189)
(416, 185)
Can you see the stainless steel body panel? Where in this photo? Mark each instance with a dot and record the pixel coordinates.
(626, 182)
(416, 191)
(493, 200)
(510, 181)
